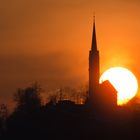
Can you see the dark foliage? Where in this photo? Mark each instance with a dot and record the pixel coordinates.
(28, 99)
(3, 119)
(65, 120)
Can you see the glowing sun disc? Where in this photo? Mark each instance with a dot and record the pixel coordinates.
(123, 81)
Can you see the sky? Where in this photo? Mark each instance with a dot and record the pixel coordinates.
(48, 41)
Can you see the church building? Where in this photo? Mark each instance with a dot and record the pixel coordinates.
(102, 96)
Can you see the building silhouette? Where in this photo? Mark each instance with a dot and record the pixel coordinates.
(101, 96)
(94, 71)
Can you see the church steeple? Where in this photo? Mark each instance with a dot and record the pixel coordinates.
(94, 42)
(93, 67)
(100, 97)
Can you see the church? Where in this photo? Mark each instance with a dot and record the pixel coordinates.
(100, 96)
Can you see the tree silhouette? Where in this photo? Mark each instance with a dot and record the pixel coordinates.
(52, 100)
(29, 98)
(3, 118)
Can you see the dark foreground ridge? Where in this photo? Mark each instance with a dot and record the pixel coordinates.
(68, 121)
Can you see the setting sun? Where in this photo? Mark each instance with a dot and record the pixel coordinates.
(123, 81)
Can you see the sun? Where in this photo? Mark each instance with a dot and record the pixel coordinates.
(123, 81)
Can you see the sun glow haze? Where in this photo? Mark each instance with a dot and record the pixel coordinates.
(123, 81)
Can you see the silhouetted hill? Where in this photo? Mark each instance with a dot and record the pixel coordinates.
(66, 120)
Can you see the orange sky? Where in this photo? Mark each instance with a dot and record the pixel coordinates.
(49, 40)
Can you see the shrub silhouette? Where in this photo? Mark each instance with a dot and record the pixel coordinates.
(28, 99)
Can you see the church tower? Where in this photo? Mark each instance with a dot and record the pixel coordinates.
(93, 68)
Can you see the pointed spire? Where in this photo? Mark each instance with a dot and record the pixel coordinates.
(94, 42)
